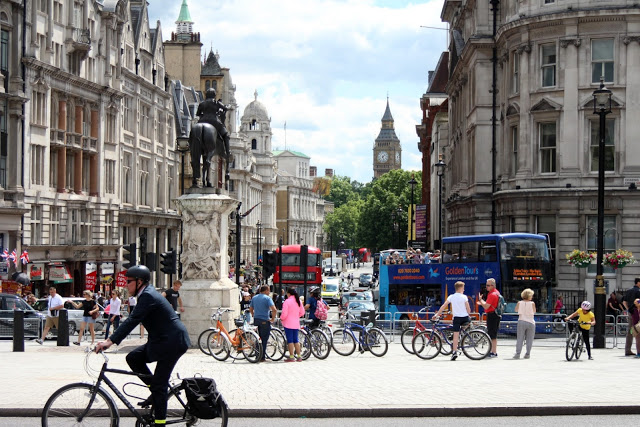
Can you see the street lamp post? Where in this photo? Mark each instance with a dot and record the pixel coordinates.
(601, 107)
(440, 170)
(412, 219)
(182, 143)
(258, 229)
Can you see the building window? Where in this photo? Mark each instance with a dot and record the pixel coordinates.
(143, 196)
(207, 84)
(547, 147)
(4, 57)
(546, 224)
(110, 176)
(609, 239)
(108, 227)
(42, 6)
(80, 226)
(70, 172)
(515, 73)
(86, 173)
(127, 174)
(128, 113)
(54, 225)
(53, 169)
(254, 144)
(602, 60)
(548, 55)
(145, 120)
(170, 184)
(609, 145)
(38, 108)
(37, 164)
(549, 1)
(36, 224)
(514, 149)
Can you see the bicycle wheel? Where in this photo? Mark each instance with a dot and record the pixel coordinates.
(446, 336)
(476, 344)
(343, 342)
(578, 346)
(327, 330)
(320, 344)
(407, 338)
(427, 344)
(376, 342)
(251, 347)
(218, 345)
(202, 341)
(69, 403)
(305, 344)
(276, 346)
(570, 348)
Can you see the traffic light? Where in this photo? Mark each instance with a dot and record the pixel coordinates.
(151, 261)
(143, 249)
(128, 255)
(304, 253)
(268, 263)
(168, 262)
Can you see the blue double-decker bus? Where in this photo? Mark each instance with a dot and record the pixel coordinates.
(515, 260)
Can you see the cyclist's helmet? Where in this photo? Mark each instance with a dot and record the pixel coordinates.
(586, 305)
(139, 272)
(314, 291)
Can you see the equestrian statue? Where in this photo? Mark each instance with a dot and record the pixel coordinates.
(209, 138)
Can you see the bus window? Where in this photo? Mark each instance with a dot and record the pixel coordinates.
(419, 295)
(450, 252)
(291, 259)
(523, 249)
(488, 251)
(468, 252)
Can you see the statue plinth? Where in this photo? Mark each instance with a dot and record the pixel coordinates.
(205, 259)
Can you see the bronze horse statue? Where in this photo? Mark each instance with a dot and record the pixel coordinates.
(205, 143)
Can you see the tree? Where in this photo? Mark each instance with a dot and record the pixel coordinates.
(343, 222)
(342, 190)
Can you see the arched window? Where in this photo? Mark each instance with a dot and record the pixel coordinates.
(207, 84)
(254, 144)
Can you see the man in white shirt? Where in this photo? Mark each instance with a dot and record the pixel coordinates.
(461, 311)
(54, 303)
(114, 313)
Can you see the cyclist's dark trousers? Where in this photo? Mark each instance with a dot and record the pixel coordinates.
(159, 383)
(264, 327)
(585, 338)
(315, 324)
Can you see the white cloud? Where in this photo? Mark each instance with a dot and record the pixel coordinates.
(325, 67)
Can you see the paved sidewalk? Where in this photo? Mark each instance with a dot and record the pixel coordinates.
(398, 384)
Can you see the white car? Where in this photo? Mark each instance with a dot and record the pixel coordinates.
(331, 290)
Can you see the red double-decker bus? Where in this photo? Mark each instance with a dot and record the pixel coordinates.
(292, 273)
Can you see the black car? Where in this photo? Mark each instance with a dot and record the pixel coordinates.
(365, 279)
(32, 318)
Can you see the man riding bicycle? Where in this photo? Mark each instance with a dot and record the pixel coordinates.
(168, 338)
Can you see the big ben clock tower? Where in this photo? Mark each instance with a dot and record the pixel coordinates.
(387, 152)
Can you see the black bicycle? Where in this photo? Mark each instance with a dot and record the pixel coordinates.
(85, 404)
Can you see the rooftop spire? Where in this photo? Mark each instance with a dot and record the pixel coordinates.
(184, 16)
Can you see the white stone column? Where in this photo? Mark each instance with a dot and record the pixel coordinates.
(205, 261)
(569, 145)
(631, 150)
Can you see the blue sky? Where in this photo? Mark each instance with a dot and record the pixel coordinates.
(325, 68)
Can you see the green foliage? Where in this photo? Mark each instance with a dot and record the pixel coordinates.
(343, 190)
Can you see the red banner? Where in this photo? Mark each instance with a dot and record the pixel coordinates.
(121, 279)
(90, 281)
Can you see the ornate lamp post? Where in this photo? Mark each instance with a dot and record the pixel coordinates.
(183, 146)
(601, 107)
(258, 229)
(440, 170)
(412, 219)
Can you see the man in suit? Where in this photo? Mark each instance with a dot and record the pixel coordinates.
(168, 338)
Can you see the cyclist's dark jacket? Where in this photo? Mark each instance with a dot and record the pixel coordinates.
(167, 334)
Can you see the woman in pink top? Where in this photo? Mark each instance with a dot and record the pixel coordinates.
(526, 324)
(292, 311)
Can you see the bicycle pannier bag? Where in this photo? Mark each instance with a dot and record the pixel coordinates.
(321, 310)
(202, 397)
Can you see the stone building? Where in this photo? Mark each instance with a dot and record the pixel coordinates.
(387, 151)
(523, 152)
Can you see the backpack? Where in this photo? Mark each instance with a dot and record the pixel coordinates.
(502, 305)
(321, 310)
(202, 397)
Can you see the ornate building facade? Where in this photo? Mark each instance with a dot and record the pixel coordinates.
(387, 152)
(523, 147)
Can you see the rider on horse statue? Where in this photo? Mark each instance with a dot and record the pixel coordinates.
(213, 111)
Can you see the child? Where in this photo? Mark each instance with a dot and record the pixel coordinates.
(586, 318)
(461, 310)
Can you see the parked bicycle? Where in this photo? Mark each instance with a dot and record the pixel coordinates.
(368, 338)
(474, 342)
(575, 342)
(313, 341)
(92, 404)
(242, 342)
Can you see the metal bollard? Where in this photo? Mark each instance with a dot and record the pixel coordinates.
(18, 330)
(63, 328)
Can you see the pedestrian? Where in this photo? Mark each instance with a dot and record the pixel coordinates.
(634, 326)
(586, 319)
(312, 305)
(493, 320)
(245, 305)
(168, 339)
(526, 328)
(278, 299)
(461, 311)
(100, 299)
(130, 307)
(173, 296)
(629, 297)
(614, 308)
(264, 312)
(114, 312)
(89, 309)
(54, 304)
(559, 305)
(292, 311)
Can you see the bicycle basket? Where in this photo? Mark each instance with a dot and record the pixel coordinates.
(239, 322)
(202, 397)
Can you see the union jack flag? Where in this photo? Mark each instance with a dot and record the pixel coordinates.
(5, 254)
(24, 257)
(13, 257)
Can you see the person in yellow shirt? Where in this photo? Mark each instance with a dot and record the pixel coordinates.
(586, 319)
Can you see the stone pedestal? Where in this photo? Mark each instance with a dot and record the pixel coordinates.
(205, 260)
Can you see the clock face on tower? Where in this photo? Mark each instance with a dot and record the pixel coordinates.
(397, 157)
(383, 156)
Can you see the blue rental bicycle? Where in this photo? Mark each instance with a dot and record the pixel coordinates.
(368, 338)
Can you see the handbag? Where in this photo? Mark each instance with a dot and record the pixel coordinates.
(635, 329)
(95, 315)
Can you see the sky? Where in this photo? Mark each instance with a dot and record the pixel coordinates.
(325, 67)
